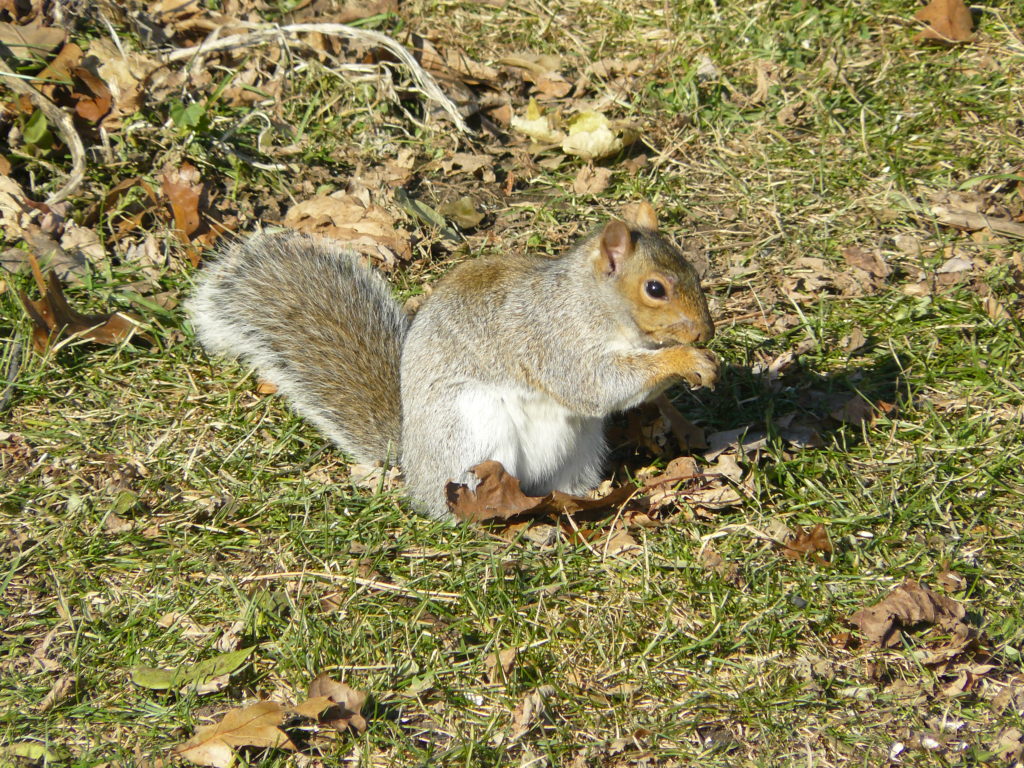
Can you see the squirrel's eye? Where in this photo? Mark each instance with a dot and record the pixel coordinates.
(655, 289)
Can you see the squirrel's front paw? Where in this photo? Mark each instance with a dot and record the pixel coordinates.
(702, 370)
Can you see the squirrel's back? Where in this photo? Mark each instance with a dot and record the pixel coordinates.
(323, 328)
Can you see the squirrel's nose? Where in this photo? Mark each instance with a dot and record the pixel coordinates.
(705, 330)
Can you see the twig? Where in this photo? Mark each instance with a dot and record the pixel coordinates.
(424, 80)
(383, 586)
(64, 125)
(11, 376)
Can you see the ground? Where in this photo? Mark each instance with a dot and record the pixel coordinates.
(856, 191)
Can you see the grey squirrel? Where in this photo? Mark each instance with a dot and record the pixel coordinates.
(516, 358)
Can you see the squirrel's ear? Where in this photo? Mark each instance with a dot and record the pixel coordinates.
(616, 245)
(642, 215)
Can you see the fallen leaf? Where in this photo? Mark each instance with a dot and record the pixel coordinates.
(58, 692)
(497, 496)
(810, 543)
(125, 74)
(728, 571)
(854, 341)
(907, 605)
(346, 704)
(462, 162)
(114, 523)
(529, 711)
(189, 628)
(52, 316)
(94, 105)
(591, 180)
(856, 410)
(498, 666)
(679, 469)
(364, 227)
(537, 125)
(27, 750)
(949, 22)
(159, 679)
(57, 71)
(955, 264)
(463, 212)
(620, 543)
(31, 41)
(253, 726)
(1009, 746)
(182, 187)
(688, 435)
(869, 261)
(593, 136)
(744, 439)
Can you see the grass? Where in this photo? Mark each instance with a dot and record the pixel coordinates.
(152, 502)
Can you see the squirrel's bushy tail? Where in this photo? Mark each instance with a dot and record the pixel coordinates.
(316, 323)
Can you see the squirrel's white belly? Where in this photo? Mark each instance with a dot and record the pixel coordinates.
(543, 443)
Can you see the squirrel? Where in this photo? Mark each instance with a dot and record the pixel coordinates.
(515, 358)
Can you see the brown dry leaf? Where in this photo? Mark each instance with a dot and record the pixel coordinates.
(94, 105)
(340, 11)
(869, 261)
(853, 341)
(31, 41)
(744, 439)
(620, 543)
(529, 711)
(949, 22)
(188, 627)
(728, 571)
(591, 180)
(313, 707)
(182, 187)
(808, 543)
(344, 713)
(125, 74)
(463, 162)
(252, 726)
(688, 435)
(498, 666)
(664, 489)
(51, 316)
(497, 497)
(15, 212)
(856, 411)
(951, 581)
(363, 226)
(1009, 746)
(57, 693)
(113, 523)
(907, 605)
(58, 70)
(542, 71)
(265, 387)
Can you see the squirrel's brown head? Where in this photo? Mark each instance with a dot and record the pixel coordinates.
(661, 288)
